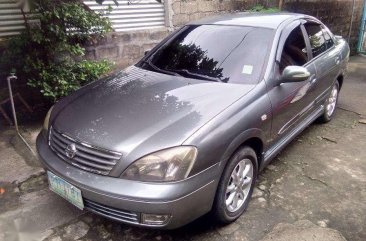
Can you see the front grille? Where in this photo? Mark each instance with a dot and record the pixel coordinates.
(86, 157)
(113, 213)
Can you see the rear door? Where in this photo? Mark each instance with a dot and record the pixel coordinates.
(325, 58)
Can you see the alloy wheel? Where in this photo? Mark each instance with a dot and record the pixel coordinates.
(239, 185)
(332, 101)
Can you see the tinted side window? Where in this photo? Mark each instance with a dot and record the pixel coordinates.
(316, 37)
(328, 40)
(294, 52)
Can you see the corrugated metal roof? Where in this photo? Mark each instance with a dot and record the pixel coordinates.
(132, 14)
(11, 18)
(128, 15)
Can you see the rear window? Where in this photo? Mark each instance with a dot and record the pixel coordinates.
(316, 38)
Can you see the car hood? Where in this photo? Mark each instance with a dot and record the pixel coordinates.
(140, 108)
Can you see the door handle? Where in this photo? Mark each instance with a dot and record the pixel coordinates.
(337, 60)
(312, 79)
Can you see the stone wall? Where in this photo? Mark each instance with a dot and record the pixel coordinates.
(184, 11)
(336, 14)
(125, 48)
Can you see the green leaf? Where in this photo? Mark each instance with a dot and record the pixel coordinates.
(49, 56)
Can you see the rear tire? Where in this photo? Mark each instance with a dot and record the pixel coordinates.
(236, 186)
(330, 104)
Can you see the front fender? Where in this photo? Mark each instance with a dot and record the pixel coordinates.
(240, 140)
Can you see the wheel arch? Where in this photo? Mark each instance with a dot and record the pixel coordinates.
(252, 138)
(340, 79)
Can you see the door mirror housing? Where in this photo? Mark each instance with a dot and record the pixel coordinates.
(338, 37)
(294, 74)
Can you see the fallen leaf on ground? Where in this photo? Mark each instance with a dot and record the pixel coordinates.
(328, 139)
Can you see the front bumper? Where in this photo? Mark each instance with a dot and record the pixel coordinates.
(126, 200)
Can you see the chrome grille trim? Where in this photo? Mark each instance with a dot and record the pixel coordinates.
(113, 213)
(87, 157)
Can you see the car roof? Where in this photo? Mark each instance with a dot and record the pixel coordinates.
(264, 20)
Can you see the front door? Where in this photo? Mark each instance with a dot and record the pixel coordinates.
(290, 101)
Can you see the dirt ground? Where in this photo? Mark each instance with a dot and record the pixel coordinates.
(315, 187)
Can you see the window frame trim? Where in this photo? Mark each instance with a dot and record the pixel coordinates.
(313, 59)
(325, 31)
(307, 43)
(285, 33)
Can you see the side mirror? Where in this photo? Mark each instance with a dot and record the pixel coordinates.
(338, 37)
(294, 74)
(146, 52)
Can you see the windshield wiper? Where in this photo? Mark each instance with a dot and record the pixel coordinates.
(187, 73)
(153, 66)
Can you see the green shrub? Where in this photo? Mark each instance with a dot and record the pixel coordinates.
(262, 9)
(49, 53)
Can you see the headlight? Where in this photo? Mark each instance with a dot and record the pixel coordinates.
(47, 119)
(163, 166)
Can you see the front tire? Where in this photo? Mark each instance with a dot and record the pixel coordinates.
(236, 186)
(330, 104)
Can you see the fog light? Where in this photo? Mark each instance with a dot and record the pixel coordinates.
(154, 219)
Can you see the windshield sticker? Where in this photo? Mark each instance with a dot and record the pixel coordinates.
(247, 69)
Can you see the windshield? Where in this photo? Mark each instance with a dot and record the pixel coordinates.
(233, 54)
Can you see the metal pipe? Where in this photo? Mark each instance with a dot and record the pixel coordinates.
(9, 78)
(361, 37)
(350, 27)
